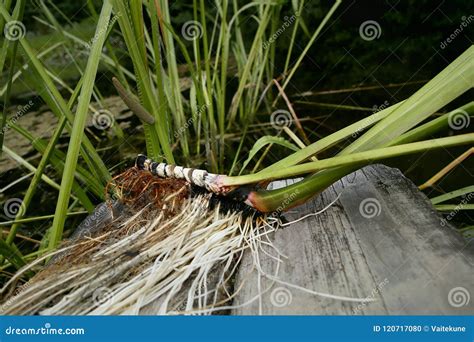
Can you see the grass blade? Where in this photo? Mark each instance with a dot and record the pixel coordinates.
(78, 126)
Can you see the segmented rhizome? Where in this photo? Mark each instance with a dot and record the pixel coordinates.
(159, 245)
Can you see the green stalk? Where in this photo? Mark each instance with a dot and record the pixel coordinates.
(34, 186)
(454, 207)
(431, 126)
(220, 98)
(57, 104)
(454, 80)
(19, 9)
(25, 66)
(78, 127)
(311, 41)
(357, 158)
(12, 255)
(6, 98)
(6, 42)
(57, 161)
(7, 4)
(251, 59)
(176, 97)
(39, 218)
(452, 194)
(30, 167)
(157, 134)
(35, 181)
(293, 37)
(114, 60)
(159, 69)
(104, 57)
(355, 129)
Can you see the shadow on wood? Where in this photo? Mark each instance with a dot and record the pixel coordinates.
(381, 240)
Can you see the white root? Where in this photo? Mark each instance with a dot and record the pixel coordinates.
(184, 262)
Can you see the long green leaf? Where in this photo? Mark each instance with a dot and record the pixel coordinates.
(157, 134)
(78, 126)
(263, 141)
(57, 104)
(453, 194)
(454, 80)
(11, 254)
(357, 158)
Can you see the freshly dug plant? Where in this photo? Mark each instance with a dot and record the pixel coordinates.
(172, 236)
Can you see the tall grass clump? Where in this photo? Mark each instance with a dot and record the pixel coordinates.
(174, 233)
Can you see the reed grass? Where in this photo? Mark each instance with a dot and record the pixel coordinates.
(191, 127)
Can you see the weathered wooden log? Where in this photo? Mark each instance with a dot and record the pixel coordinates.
(382, 240)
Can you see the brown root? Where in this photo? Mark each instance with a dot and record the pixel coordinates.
(139, 188)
